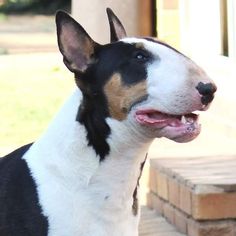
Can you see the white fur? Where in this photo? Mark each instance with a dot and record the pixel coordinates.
(77, 194)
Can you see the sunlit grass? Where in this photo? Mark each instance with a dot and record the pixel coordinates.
(3, 17)
(29, 98)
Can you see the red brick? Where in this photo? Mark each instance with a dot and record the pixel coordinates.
(149, 200)
(162, 185)
(174, 192)
(214, 206)
(180, 221)
(217, 228)
(169, 212)
(157, 203)
(185, 200)
(153, 179)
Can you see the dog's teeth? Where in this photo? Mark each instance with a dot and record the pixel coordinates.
(183, 119)
(190, 121)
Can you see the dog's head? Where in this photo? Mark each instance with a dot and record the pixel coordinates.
(139, 79)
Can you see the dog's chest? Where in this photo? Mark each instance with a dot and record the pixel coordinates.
(73, 208)
(81, 222)
(79, 213)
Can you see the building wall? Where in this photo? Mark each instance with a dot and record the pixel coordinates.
(200, 25)
(168, 23)
(231, 4)
(92, 16)
(193, 26)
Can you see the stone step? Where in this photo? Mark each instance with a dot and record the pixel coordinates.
(153, 224)
(197, 195)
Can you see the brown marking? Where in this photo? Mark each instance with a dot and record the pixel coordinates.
(135, 202)
(120, 97)
(135, 198)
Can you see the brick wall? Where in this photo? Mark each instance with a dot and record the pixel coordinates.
(197, 195)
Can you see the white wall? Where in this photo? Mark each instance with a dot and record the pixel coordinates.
(232, 28)
(200, 27)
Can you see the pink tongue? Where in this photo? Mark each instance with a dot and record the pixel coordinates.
(159, 118)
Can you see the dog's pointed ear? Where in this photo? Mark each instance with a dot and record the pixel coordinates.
(117, 30)
(74, 43)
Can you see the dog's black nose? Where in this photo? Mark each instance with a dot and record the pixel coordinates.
(207, 91)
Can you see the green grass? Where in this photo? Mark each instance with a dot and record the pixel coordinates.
(28, 103)
(3, 17)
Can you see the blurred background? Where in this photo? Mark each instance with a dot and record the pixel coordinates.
(34, 82)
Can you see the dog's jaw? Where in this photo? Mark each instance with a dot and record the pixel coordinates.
(180, 128)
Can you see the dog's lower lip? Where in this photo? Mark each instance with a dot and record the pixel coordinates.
(180, 128)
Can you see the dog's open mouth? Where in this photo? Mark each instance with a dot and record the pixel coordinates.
(180, 128)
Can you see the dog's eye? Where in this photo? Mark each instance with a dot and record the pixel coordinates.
(141, 56)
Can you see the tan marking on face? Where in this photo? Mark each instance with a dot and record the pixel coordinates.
(120, 97)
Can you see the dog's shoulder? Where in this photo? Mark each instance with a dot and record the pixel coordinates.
(18, 197)
(16, 154)
(12, 164)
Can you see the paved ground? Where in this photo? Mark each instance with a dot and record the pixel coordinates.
(27, 34)
(152, 224)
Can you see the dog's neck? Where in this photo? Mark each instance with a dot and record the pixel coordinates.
(64, 152)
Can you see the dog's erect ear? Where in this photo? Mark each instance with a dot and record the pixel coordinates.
(74, 43)
(117, 30)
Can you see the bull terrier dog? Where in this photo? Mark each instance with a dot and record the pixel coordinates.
(81, 177)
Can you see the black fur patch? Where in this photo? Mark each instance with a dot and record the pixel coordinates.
(92, 114)
(20, 212)
(127, 60)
